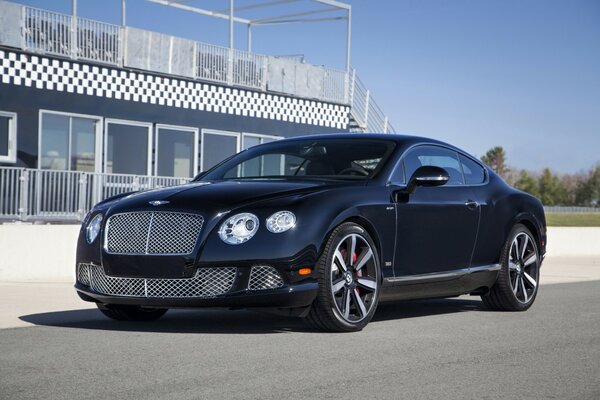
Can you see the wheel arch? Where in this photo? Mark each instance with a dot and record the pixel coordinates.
(368, 226)
(529, 222)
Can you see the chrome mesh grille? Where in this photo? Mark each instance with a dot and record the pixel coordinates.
(208, 282)
(264, 277)
(142, 233)
(83, 274)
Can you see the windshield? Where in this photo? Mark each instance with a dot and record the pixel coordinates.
(354, 159)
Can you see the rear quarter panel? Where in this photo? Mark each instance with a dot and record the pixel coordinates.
(501, 208)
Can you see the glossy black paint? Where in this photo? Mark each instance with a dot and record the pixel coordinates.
(433, 241)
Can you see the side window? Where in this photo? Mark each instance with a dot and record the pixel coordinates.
(474, 173)
(435, 156)
(398, 175)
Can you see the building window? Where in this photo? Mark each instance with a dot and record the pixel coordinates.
(69, 142)
(176, 151)
(254, 139)
(8, 137)
(127, 147)
(261, 166)
(217, 146)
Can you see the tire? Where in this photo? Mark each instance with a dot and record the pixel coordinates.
(518, 280)
(349, 281)
(131, 313)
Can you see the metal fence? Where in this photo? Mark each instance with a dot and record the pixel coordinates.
(48, 32)
(249, 69)
(365, 111)
(98, 41)
(561, 209)
(60, 34)
(46, 195)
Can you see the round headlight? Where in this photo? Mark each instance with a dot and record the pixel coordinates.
(281, 221)
(93, 228)
(239, 229)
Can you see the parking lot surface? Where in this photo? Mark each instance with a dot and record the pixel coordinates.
(449, 348)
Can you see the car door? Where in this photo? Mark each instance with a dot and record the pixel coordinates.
(436, 226)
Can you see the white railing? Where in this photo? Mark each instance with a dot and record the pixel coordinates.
(213, 62)
(249, 69)
(47, 195)
(47, 32)
(61, 34)
(367, 115)
(98, 41)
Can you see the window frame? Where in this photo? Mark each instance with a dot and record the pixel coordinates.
(203, 132)
(147, 125)
(98, 151)
(485, 172)
(11, 156)
(458, 153)
(259, 136)
(181, 128)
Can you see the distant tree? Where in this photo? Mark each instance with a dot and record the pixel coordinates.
(551, 191)
(569, 184)
(587, 192)
(527, 183)
(495, 158)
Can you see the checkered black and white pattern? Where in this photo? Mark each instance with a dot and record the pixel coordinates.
(113, 83)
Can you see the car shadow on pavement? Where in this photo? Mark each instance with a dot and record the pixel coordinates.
(238, 321)
(424, 308)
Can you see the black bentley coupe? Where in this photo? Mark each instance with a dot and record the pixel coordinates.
(323, 227)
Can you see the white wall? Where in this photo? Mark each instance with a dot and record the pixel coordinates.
(573, 242)
(38, 252)
(47, 252)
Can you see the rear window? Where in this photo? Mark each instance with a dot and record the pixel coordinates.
(473, 172)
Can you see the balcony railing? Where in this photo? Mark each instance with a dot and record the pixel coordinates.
(54, 33)
(48, 32)
(367, 115)
(66, 196)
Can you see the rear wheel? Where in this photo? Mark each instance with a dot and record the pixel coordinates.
(517, 283)
(349, 281)
(131, 313)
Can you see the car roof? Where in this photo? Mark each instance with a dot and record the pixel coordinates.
(405, 140)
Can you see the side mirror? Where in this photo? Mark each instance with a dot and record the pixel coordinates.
(427, 175)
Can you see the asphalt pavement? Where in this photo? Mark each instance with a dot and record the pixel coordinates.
(434, 349)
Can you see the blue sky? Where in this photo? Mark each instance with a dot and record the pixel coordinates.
(524, 74)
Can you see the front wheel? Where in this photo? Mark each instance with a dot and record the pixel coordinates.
(349, 281)
(517, 284)
(131, 313)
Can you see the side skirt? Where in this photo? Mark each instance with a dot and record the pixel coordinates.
(443, 284)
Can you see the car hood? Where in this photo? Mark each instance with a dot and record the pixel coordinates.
(216, 195)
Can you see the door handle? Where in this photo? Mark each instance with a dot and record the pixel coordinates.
(471, 204)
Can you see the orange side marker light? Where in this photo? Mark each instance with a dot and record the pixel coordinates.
(304, 271)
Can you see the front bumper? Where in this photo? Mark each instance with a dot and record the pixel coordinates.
(289, 296)
(253, 286)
